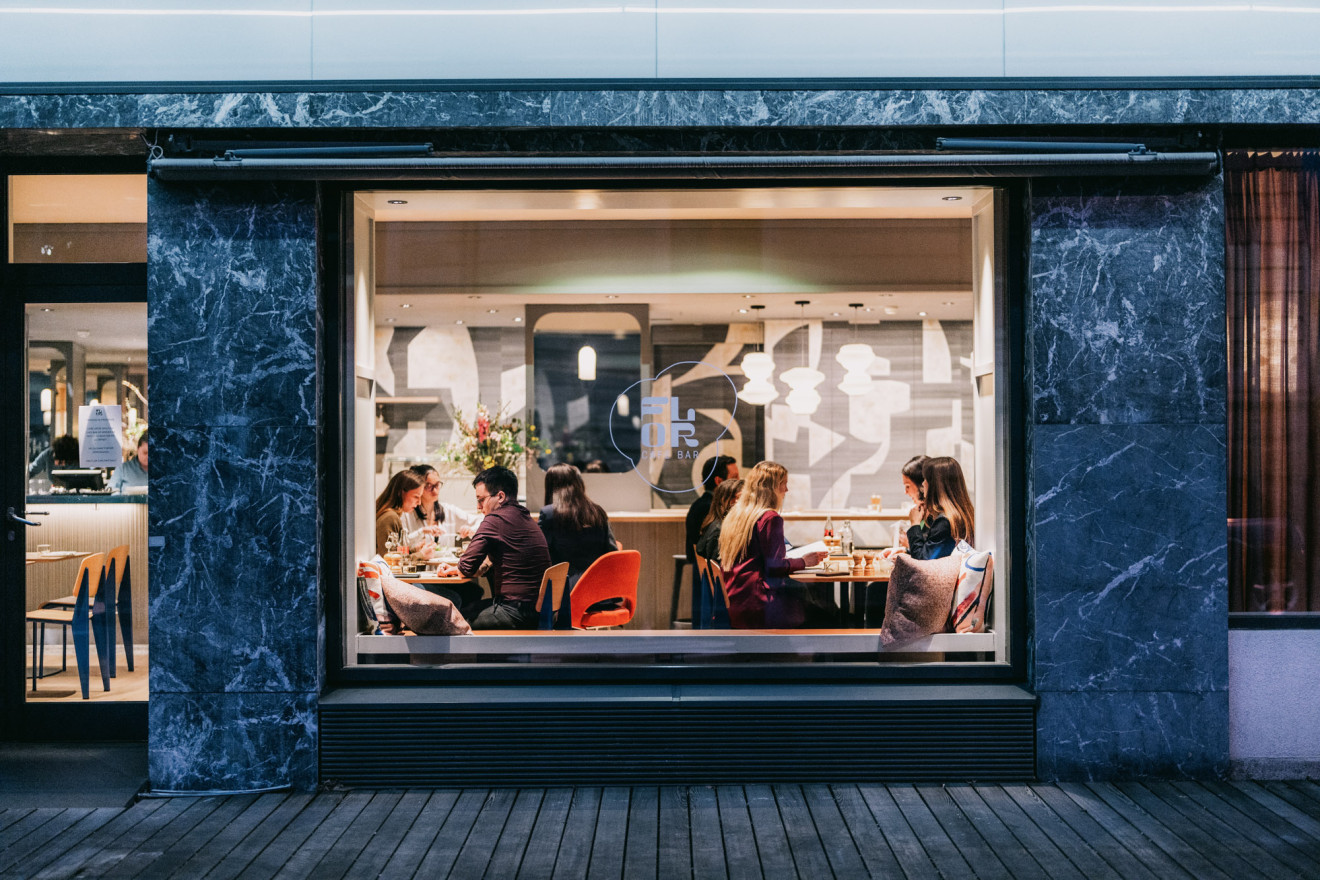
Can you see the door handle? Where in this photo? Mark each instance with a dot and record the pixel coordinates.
(14, 517)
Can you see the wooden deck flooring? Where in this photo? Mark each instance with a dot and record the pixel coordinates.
(1072, 830)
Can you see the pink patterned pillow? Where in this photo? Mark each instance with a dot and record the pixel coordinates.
(971, 595)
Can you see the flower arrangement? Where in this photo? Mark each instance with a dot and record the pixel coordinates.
(489, 440)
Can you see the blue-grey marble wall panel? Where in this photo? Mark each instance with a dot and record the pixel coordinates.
(234, 603)
(232, 741)
(1131, 569)
(631, 108)
(232, 327)
(1118, 734)
(1127, 285)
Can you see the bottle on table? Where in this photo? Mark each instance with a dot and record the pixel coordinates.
(846, 539)
(829, 527)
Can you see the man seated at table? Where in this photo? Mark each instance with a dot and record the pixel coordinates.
(514, 545)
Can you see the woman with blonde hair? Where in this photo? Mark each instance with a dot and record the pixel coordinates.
(947, 514)
(752, 554)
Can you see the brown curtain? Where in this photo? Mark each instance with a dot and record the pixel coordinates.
(1273, 268)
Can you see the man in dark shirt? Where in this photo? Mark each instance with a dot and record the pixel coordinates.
(516, 548)
(725, 467)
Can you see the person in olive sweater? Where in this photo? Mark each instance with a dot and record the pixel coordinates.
(513, 543)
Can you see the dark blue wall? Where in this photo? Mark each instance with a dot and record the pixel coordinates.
(236, 623)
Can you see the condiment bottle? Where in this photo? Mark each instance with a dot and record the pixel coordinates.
(829, 527)
(846, 538)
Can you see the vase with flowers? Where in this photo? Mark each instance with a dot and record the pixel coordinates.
(487, 440)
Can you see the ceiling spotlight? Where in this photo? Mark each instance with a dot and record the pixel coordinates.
(492, 311)
(747, 296)
(611, 296)
(405, 305)
(949, 302)
(742, 311)
(517, 320)
(459, 321)
(83, 334)
(398, 201)
(48, 310)
(921, 314)
(867, 309)
(389, 320)
(953, 198)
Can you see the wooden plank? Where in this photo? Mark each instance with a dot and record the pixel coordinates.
(512, 842)
(937, 844)
(1117, 826)
(1299, 811)
(768, 828)
(371, 861)
(912, 856)
(611, 835)
(183, 847)
(135, 862)
(283, 846)
(360, 831)
(674, 846)
(474, 855)
(803, 839)
(740, 858)
(1225, 845)
(449, 840)
(1308, 789)
(149, 822)
(707, 835)
(1263, 816)
(420, 835)
(877, 855)
(254, 841)
(1089, 831)
(31, 856)
(1289, 848)
(964, 833)
(835, 836)
(315, 845)
(75, 856)
(1047, 837)
(641, 852)
(1299, 819)
(1015, 850)
(574, 855)
(232, 834)
(28, 824)
(9, 817)
(543, 843)
(1152, 827)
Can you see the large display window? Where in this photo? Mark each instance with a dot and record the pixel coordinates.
(677, 427)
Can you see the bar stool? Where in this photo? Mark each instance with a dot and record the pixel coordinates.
(680, 563)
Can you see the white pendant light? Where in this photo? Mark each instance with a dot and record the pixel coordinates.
(758, 367)
(587, 363)
(803, 399)
(856, 358)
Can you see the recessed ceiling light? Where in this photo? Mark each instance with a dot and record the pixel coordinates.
(517, 320)
(950, 303)
(459, 321)
(48, 310)
(867, 309)
(953, 198)
(83, 334)
(611, 296)
(405, 305)
(747, 296)
(474, 296)
(742, 311)
(398, 201)
(389, 320)
(492, 311)
(834, 314)
(921, 314)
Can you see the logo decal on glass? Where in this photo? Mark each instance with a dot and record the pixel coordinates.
(668, 428)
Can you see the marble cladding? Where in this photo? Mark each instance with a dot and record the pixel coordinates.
(632, 108)
(1127, 544)
(236, 621)
(1127, 286)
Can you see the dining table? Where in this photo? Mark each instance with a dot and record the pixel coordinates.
(36, 557)
(853, 589)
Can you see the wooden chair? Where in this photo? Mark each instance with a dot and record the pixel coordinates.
(612, 576)
(552, 595)
(719, 615)
(88, 616)
(118, 603)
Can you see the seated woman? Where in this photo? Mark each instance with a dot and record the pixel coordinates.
(752, 555)
(576, 529)
(401, 495)
(433, 516)
(726, 493)
(946, 512)
(912, 480)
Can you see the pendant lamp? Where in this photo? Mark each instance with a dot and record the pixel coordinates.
(758, 367)
(855, 357)
(803, 399)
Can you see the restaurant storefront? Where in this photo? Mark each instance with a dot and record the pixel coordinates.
(1057, 328)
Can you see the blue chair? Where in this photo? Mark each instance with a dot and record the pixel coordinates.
(92, 614)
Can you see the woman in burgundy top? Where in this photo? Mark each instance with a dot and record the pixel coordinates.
(752, 555)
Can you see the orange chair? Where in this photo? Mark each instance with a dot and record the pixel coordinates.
(88, 617)
(612, 576)
(552, 595)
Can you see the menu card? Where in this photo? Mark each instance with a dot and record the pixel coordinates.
(100, 436)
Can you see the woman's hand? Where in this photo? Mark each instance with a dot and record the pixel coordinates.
(815, 557)
(465, 532)
(917, 513)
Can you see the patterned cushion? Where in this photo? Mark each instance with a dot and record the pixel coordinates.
(374, 573)
(971, 595)
(424, 613)
(919, 598)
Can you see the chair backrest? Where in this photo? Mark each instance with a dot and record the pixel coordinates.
(551, 597)
(118, 557)
(703, 605)
(94, 567)
(719, 596)
(612, 576)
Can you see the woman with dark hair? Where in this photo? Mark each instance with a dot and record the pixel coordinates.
(402, 494)
(433, 516)
(947, 516)
(912, 479)
(726, 493)
(576, 528)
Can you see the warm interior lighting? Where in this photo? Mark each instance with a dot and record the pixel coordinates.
(803, 399)
(758, 367)
(47, 399)
(856, 358)
(587, 363)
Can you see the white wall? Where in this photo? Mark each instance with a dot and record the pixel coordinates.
(1274, 716)
(183, 40)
